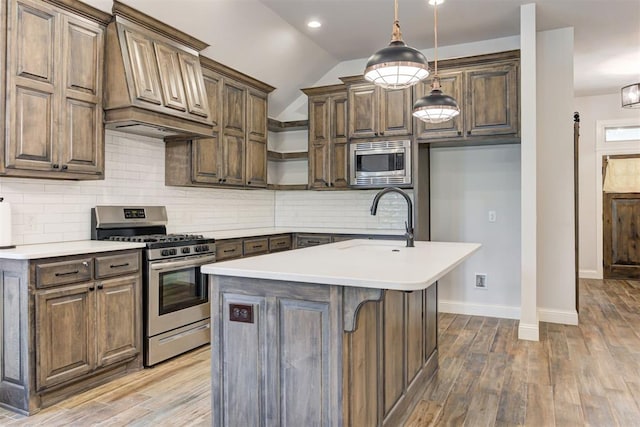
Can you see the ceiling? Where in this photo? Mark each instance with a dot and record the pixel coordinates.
(269, 39)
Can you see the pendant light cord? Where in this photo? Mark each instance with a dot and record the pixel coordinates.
(396, 35)
(435, 33)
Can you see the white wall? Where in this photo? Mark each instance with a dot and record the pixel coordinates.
(467, 183)
(591, 109)
(555, 169)
(53, 210)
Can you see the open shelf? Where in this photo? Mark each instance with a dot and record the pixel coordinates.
(293, 155)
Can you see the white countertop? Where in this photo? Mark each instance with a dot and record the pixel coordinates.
(250, 232)
(79, 247)
(382, 264)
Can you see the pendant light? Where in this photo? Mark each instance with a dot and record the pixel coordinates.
(631, 96)
(436, 107)
(396, 66)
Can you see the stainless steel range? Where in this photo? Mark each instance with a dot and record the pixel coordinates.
(176, 300)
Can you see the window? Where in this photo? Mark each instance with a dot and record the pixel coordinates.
(620, 134)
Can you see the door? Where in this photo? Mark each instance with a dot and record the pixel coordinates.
(116, 319)
(194, 86)
(146, 81)
(319, 138)
(363, 112)
(621, 220)
(395, 108)
(205, 160)
(64, 334)
(170, 77)
(339, 154)
(33, 65)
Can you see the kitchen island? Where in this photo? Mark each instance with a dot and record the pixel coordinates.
(341, 334)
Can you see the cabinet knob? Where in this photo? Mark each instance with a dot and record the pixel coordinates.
(468, 132)
(65, 167)
(375, 133)
(219, 179)
(248, 182)
(100, 286)
(459, 133)
(55, 166)
(85, 263)
(326, 184)
(382, 133)
(92, 288)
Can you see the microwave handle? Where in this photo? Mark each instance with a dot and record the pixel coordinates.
(184, 263)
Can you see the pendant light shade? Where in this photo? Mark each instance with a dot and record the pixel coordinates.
(631, 96)
(396, 66)
(436, 107)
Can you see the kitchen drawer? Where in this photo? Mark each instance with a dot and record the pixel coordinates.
(228, 249)
(64, 272)
(280, 243)
(117, 265)
(256, 246)
(306, 240)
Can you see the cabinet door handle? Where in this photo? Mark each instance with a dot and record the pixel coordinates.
(119, 265)
(68, 273)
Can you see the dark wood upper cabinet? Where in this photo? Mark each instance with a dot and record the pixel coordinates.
(375, 112)
(328, 150)
(54, 81)
(487, 90)
(235, 154)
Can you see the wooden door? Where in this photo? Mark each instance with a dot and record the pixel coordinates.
(233, 164)
(395, 107)
(339, 148)
(33, 102)
(213, 88)
(81, 149)
(118, 322)
(144, 71)
(170, 77)
(256, 115)
(363, 112)
(205, 160)
(197, 102)
(491, 100)
(256, 167)
(451, 84)
(319, 138)
(234, 133)
(64, 334)
(621, 240)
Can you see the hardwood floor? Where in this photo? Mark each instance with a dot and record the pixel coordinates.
(576, 375)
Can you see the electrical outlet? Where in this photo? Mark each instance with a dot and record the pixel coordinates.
(492, 216)
(481, 281)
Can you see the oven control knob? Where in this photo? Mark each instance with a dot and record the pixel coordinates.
(198, 249)
(173, 251)
(186, 250)
(165, 252)
(205, 248)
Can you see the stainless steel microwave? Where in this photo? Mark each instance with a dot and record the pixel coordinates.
(380, 163)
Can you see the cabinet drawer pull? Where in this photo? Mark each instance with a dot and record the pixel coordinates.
(68, 273)
(119, 265)
(256, 246)
(281, 243)
(228, 251)
(313, 242)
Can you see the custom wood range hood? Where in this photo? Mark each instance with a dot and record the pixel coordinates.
(153, 80)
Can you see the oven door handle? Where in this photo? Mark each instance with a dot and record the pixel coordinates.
(191, 262)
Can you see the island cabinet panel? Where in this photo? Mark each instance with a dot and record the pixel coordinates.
(431, 320)
(298, 354)
(304, 362)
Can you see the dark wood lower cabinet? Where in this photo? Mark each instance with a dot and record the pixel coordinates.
(318, 355)
(67, 326)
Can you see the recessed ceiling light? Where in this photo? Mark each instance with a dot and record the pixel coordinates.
(314, 24)
(434, 2)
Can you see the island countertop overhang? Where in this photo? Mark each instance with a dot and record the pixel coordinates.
(378, 264)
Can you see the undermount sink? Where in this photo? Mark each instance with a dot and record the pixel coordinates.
(374, 245)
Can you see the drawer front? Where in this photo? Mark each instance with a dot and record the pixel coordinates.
(117, 265)
(64, 272)
(256, 246)
(279, 243)
(305, 240)
(228, 249)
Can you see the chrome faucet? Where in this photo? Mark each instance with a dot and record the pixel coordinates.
(409, 224)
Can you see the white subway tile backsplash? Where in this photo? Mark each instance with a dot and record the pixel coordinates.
(49, 211)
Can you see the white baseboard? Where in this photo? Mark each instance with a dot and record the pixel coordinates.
(589, 274)
(529, 332)
(564, 317)
(459, 307)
